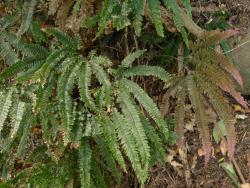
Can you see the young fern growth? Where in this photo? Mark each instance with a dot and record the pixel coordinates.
(84, 104)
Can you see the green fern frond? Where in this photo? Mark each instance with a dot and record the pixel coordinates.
(155, 14)
(154, 139)
(108, 158)
(105, 15)
(121, 20)
(138, 7)
(97, 175)
(8, 21)
(101, 60)
(65, 87)
(111, 140)
(29, 50)
(27, 123)
(36, 32)
(188, 7)
(6, 103)
(7, 52)
(29, 7)
(85, 158)
(100, 74)
(132, 117)
(64, 39)
(128, 60)
(84, 83)
(19, 67)
(54, 57)
(18, 118)
(146, 70)
(147, 103)
(173, 6)
(129, 145)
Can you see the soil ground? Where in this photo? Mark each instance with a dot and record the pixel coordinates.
(193, 173)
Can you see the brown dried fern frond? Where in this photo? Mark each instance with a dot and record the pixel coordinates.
(179, 116)
(196, 99)
(221, 107)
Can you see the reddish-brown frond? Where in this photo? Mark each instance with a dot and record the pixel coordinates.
(179, 116)
(217, 76)
(200, 115)
(221, 107)
(229, 67)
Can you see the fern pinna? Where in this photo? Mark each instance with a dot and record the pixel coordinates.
(203, 79)
(87, 111)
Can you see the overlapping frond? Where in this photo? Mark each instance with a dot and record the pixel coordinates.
(144, 70)
(147, 103)
(85, 158)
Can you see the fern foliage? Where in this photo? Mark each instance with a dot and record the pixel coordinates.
(204, 82)
(86, 110)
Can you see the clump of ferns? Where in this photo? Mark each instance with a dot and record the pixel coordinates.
(87, 105)
(203, 80)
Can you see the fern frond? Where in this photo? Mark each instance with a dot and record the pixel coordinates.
(199, 109)
(7, 52)
(63, 38)
(146, 70)
(103, 78)
(179, 116)
(29, 7)
(155, 14)
(19, 67)
(36, 32)
(129, 145)
(222, 80)
(65, 87)
(7, 21)
(100, 74)
(18, 118)
(121, 20)
(97, 175)
(173, 6)
(147, 103)
(5, 104)
(111, 140)
(230, 68)
(138, 7)
(188, 7)
(29, 50)
(128, 60)
(84, 83)
(27, 123)
(132, 117)
(108, 158)
(222, 108)
(105, 15)
(99, 59)
(154, 139)
(85, 158)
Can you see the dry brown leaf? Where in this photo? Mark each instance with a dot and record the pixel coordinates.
(169, 159)
(245, 185)
(201, 152)
(248, 160)
(223, 147)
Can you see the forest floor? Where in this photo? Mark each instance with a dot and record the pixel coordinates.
(191, 172)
